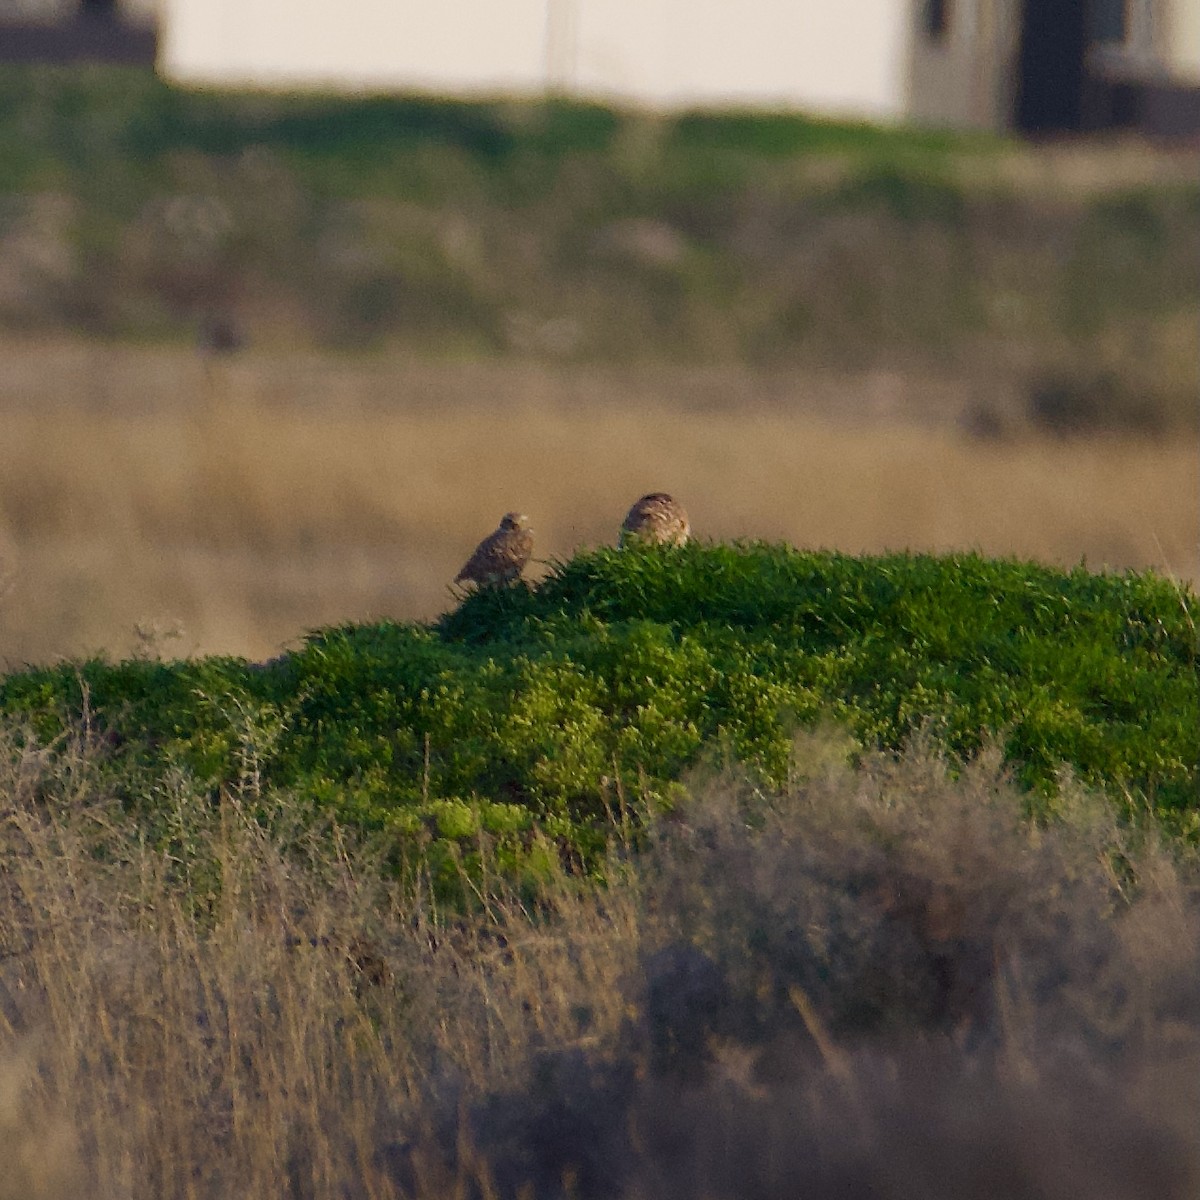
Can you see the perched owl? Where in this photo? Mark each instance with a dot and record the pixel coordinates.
(656, 518)
(501, 556)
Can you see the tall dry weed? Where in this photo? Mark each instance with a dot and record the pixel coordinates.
(884, 982)
(241, 1006)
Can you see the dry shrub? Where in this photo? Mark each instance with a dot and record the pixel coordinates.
(893, 901)
(1102, 404)
(887, 982)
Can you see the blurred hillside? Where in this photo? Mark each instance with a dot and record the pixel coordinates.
(133, 210)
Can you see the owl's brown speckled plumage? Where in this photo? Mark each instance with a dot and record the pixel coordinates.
(501, 557)
(656, 518)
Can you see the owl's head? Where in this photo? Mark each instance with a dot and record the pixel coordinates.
(514, 520)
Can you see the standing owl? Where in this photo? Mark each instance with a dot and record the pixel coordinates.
(501, 557)
(656, 518)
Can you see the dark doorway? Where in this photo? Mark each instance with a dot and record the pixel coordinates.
(1050, 84)
(936, 20)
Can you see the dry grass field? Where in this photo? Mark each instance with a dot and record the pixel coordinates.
(149, 500)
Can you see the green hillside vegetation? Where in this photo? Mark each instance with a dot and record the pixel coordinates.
(58, 125)
(540, 716)
(133, 209)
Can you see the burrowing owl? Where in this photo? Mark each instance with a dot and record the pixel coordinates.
(501, 556)
(656, 518)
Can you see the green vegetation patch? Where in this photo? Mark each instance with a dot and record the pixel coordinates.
(72, 117)
(542, 711)
(135, 209)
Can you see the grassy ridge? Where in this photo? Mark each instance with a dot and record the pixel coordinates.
(540, 709)
(55, 122)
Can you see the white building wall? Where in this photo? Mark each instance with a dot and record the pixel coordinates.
(844, 57)
(847, 57)
(1183, 38)
(450, 45)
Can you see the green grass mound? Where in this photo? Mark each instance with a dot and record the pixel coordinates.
(538, 712)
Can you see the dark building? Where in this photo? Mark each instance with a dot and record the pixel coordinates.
(75, 32)
(1052, 67)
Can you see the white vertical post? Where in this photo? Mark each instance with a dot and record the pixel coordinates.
(561, 36)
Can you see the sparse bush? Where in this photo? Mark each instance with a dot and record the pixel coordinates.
(882, 983)
(1070, 405)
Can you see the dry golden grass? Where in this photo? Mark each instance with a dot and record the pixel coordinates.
(242, 1011)
(239, 504)
(883, 973)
